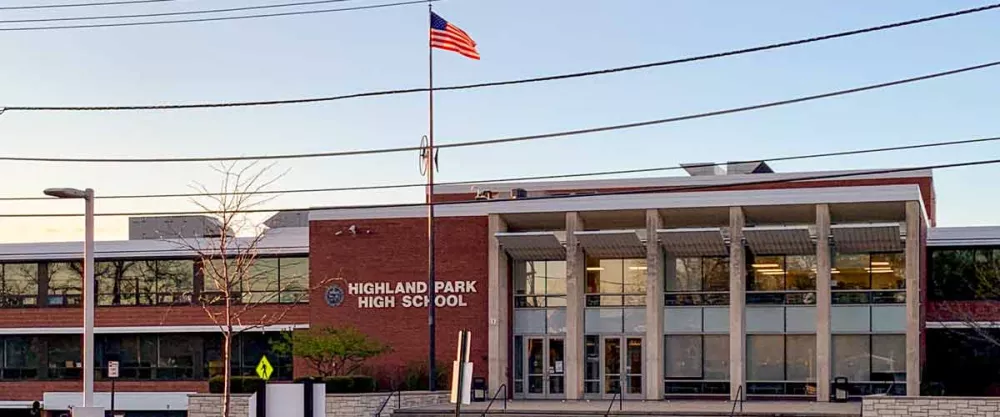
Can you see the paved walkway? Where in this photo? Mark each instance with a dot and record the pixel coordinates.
(679, 407)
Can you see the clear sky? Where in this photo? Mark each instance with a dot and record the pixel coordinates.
(339, 53)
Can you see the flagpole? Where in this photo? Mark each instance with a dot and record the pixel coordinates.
(430, 206)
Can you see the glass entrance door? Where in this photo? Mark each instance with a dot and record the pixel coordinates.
(621, 368)
(544, 368)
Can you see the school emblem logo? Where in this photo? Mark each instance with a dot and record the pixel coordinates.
(334, 295)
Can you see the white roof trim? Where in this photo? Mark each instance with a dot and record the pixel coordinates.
(639, 201)
(963, 325)
(282, 241)
(619, 183)
(963, 236)
(147, 329)
(7, 404)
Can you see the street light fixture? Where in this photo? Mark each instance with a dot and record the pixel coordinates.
(88, 409)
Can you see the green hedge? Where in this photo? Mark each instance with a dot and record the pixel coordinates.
(349, 384)
(238, 384)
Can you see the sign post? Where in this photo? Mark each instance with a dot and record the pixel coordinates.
(461, 376)
(113, 375)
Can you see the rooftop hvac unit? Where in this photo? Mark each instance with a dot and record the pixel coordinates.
(516, 193)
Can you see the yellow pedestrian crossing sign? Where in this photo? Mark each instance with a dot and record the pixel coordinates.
(264, 368)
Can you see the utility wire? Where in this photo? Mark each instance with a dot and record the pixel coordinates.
(550, 135)
(68, 5)
(672, 189)
(212, 19)
(527, 178)
(493, 83)
(177, 13)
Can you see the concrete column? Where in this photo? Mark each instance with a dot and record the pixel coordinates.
(823, 300)
(499, 314)
(654, 308)
(737, 303)
(914, 220)
(576, 287)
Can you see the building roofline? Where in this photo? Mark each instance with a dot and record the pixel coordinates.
(283, 241)
(659, 200)
(618, 183)
(964, 236)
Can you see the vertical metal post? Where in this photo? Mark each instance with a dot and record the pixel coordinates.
(431, 382)
(463, 343)
(88, 300)
(112, 397)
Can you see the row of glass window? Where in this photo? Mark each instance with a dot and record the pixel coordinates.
(178, 356)
(155, 282)
(964, 273)
(772, 279)
(859, 358)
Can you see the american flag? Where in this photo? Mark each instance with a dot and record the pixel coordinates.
(449, 37)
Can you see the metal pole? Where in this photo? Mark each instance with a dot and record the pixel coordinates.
(88, 300)
(431, 378)
(113, 397)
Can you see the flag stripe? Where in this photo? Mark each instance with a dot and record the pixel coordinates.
(449, 37)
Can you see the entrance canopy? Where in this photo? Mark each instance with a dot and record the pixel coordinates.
(785, 240)
(613, 243)
(532, 246)
(690, 242)
(868, 237)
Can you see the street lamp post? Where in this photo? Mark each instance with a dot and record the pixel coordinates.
(88, 409)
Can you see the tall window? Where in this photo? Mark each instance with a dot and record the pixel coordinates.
(964, 273)
(266, 280)
(781, 364)
(876, 278)
(698, 281)
(64, 283)
(64, 356)
(782, 279)
(871, 363)
(19, 285)
(540, 284)
(18, 358)
(616, 282)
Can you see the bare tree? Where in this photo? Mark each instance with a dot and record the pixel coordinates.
(236, 283)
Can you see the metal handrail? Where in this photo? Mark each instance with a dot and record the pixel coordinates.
(399, 402)
(618, 396)
(738, 400)
(503, 388)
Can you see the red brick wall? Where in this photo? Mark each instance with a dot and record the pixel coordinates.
(395, 250)
(961, 311)
(33, 390)
(141, 316)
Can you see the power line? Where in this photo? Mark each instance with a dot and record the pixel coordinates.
(68, 5)
(529, 178)
(550, 135)
(651, 190)
(177, 13)
(211, 19)
(696, 58)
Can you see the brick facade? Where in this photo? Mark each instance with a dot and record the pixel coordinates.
(120, 316)
(33, 390)
(393, 251)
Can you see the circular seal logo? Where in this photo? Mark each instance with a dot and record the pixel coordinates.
(334, 295)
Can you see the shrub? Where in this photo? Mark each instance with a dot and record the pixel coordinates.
(238, 384)
(417, 376)
(349, 384)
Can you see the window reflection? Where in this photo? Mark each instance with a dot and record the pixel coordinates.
(616, 282)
